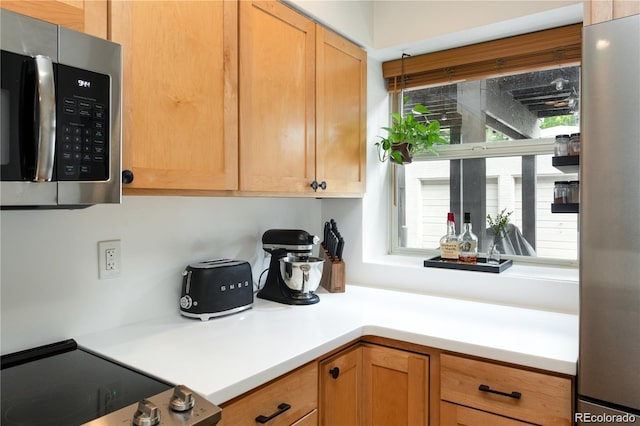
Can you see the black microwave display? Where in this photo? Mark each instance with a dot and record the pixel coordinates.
(82, 131)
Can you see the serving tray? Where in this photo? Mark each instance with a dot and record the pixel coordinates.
(481, 266)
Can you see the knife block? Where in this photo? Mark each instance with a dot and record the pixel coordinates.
(332, 273)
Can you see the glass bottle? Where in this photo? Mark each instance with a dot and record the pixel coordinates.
(467, 242)
(449, 242)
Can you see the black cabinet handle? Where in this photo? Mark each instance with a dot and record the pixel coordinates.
(281, 409)
(514, 394)
(335, 372)
(315, 185)
(127, 176)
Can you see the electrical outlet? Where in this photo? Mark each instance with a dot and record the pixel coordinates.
(109, 265)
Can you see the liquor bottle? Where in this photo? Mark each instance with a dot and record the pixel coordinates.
(468, 242)
(449, 242)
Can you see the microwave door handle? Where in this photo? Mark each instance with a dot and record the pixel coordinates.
(46, 144)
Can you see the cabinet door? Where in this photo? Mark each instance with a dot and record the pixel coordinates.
(179, 104)
(340, 384)
(458, 415)
(605, 10)
(396, 387)
(341, 87)
(88, 16)
(277, 98)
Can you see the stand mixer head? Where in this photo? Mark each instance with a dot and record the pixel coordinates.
(294, 274)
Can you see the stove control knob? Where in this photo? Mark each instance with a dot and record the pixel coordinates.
(147, 414)
(182, 399)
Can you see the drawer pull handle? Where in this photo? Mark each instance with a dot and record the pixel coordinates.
(335, 372)
(281, 409)
(514, 394)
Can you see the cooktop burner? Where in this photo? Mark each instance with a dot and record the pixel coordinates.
(63, 385)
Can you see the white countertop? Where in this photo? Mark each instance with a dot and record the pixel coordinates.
(225, 357)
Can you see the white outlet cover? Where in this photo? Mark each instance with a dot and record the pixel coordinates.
(114, 272)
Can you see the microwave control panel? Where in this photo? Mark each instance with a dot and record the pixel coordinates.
(82, 129)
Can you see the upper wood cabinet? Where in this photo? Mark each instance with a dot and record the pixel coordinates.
(179, 93)
(87, 16)
(302, 104)
(277, 98)
(596, 11)
(341, 87)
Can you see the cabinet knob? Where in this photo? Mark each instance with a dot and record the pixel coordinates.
(335, 372)
(127, 176)
(315, 185)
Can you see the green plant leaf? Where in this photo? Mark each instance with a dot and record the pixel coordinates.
(419, 108)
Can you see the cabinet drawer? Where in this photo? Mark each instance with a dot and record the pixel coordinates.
(298, 389)
(457, 415)
(521, 394)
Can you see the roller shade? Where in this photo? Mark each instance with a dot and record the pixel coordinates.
(540, 49)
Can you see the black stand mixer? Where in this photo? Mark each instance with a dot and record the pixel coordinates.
(294, 274)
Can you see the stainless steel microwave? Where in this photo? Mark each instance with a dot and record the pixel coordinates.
(60, 129)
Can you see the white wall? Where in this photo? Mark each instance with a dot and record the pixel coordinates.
(49, 272)
(387, 28)
(400, 22)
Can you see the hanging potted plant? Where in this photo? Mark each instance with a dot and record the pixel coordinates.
(409, 135)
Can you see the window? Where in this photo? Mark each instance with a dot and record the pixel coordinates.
(501, 130)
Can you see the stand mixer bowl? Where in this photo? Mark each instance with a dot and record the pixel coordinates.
(301, 274)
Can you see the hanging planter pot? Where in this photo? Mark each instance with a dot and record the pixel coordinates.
(409, 135)
(403, 149)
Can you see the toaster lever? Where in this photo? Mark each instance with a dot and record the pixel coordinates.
(187, 287)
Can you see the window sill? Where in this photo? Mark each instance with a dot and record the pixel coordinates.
(518, 269)
(531, 286)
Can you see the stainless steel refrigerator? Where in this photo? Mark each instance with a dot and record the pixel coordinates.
(609, 361)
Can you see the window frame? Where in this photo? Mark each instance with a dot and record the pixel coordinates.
(510, 148)
(553, 47)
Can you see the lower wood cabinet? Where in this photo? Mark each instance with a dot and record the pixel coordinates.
(371, 383)
(374, 385)
(340, 388)
(396, 387)
(513, 393)
(291, 399)
(310, 419)
(457, 415)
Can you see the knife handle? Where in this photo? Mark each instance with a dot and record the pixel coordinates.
(340, 248)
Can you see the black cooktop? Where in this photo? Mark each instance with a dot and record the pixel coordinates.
(64, 385)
